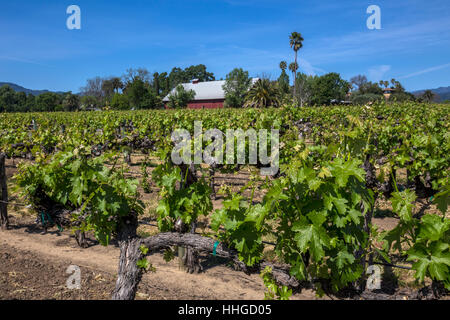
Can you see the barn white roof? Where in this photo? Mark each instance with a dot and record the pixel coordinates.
(210, 90)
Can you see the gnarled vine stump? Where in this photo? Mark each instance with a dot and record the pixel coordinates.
(129, 274)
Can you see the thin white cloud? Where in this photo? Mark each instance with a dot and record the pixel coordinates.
(392, 39)
(22, 60)
(418, 73)
(308, 68)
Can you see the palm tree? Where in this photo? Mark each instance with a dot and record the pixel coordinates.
(428, 95)
(263, 94)
(117, 84)
(283, 65)
(71, 102)
(393, 81)
(296, 42)
(156, 82)
(293, 67)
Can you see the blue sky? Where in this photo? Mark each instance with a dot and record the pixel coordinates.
(37, 50)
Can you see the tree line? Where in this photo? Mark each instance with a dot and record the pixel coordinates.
(139, 89)
(135, 89)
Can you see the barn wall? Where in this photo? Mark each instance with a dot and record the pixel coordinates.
(207, 104)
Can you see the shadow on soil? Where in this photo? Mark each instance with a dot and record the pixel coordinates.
(33, 228)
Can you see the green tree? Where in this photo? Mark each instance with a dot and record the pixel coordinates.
(181, 97)
(89, 102)
(293, 67)
(428, 96)
(198, 72)
(108, 88)
(283, 80)
(30, 104)
(178, 76)
(370, 88)
(136, 92)
(398, 86)
(401, 96)
(120, 102)
(296, 43)
(368, 92)
(393, 82)
(47, 101)
(71, 102)
(237, 84)
(329, 87)
(116, 84)
(156, 85)
(21, 99)
(164, 84)
(263, 94)
(151, 100)
(7, 99)
(360, 99)
(141, 95)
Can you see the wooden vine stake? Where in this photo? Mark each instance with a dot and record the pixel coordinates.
(3, 194)
(181, 254)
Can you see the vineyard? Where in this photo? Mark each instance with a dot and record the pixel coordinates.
(312, 225)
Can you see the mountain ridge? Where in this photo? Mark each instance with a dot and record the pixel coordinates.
(19, 88)
(442, 92)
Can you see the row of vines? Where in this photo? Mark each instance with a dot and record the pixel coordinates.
(335, 162)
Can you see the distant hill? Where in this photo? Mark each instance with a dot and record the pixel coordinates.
(18, 88)
(442, 92)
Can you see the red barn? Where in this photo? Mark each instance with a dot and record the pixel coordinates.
(208, 95)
